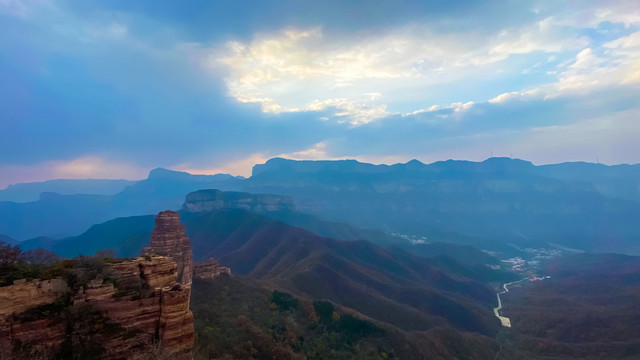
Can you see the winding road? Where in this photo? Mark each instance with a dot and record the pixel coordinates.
(503, 319)
(506, 322)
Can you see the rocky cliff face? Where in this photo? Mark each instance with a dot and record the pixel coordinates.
(108, 309)
(25, 294)
(208, 200)
(133, 309)
(168, 239)
(210, 269)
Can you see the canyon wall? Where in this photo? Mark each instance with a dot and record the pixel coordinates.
(209, 200)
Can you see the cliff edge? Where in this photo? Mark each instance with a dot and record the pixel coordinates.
(104, 308)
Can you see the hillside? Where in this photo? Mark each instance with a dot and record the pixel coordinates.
(237, 318)
(408, 300)
(393, 286)
(586, 310)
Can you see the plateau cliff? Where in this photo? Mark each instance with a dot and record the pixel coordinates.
(209, 200)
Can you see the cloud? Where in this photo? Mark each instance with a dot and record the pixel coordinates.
(295, 70)
(435, 113)
(104, 80)
(592, 14)
(515, 95)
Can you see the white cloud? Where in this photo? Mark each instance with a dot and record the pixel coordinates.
(510, 96)
(455, 110)
(626, 42)
(296, 70)
(619, 65)
(624, 12)
(586, 60)
(358, 113)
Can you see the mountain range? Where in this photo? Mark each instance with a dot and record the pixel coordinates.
(485, 204)
(410, 292)
(411, 265)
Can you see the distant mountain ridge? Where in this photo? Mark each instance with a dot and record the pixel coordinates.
(504, 199)
(26, 192)
(7, 239)
(500, 200)
(56, 215)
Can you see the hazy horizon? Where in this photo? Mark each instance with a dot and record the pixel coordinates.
(248, 174)
(113, 90)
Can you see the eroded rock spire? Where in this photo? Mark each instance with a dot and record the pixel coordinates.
(169, 239)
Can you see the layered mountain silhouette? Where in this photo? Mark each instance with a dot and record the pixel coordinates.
(26, 192)
(502, 199)
(56, 215)
(390, 285)
(7, 240)
(485, 204)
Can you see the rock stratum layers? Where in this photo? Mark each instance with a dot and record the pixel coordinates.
(209, 200)
(209, 270)
(168, 239)
(107, 308)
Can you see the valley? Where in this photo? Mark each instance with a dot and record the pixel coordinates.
(410, 295)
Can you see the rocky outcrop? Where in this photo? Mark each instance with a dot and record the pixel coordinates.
(168, 239)
(209, 200)
(144, 315)
(25, 294)
(141, 310)
(210, 269)
(121, 308)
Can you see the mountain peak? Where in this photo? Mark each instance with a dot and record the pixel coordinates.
(505, 164)
(166, 174)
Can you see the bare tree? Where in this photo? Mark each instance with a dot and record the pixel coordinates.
(39, 257)
(105, 253)
(9, 254)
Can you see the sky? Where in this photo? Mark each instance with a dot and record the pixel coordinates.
(112, 89)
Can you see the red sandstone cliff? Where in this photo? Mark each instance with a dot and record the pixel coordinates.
(140, 311)
(210, 269)
(128, 309)
(168, 239)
